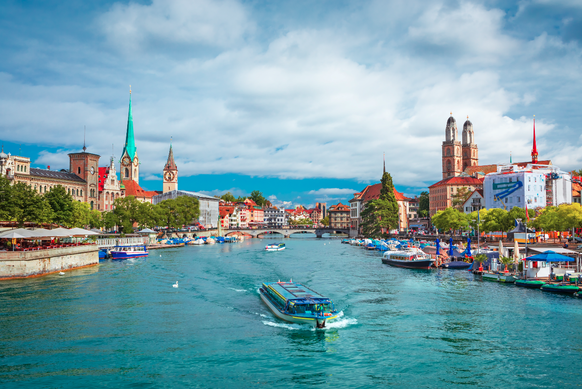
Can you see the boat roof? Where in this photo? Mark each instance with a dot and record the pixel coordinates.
(294, 291)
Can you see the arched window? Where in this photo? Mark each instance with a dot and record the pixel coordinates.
(45, 189)
(91, 205)
(448, 152)
(77, 192)
(81, 192)
(126, 172)
(449, 168)
(107, 196)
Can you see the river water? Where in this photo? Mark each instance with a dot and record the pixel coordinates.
(122, 324)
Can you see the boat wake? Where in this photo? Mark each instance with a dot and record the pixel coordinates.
(238, 290)
(340, 322)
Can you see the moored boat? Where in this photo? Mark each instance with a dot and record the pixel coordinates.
(297, 303)
(125, 252)
(275, 247)
(531, 284)
(410, 259)
(560, 288)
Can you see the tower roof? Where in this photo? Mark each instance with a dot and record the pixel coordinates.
(534, 151)
(468, 125)
(171, 165)
(451, 120)
(129, 138)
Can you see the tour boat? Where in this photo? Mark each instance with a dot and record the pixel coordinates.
(410, 259)
(124, 252)
(531, 284)
(297, 303)
(275, 247)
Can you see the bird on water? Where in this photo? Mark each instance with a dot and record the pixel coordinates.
(175, 285)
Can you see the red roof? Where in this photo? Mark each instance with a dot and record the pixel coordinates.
(227, 210)
(459, 181)
(372, 192)
(339, 208)
(132, 188)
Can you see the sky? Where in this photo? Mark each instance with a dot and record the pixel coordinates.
(298, 99)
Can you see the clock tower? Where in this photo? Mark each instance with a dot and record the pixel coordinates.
(129, 161)
(170, 173)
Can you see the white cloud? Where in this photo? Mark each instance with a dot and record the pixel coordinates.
(134, 26)
(236, 192)
(332, 191)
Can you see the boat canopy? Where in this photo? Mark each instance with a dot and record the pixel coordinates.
(298, 293)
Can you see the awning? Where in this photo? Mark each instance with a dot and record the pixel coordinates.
(549, 256)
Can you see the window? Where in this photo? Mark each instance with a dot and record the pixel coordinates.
(81, 192)
(79, 170)
(126, 172)
(518, 199)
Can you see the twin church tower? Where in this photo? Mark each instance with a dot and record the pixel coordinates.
(458, 156)
(130, 162)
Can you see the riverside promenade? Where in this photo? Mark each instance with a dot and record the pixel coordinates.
(24, 264)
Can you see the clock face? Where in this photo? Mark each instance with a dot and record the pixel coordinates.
(169, 176)
(135, 161)
(92, 170)
(126, 160)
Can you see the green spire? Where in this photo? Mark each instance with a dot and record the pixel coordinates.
(129, 140)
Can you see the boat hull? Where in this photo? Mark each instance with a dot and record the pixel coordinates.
(420, 264)
(531, 284)
(126, 255)
(456, 265)
(318, 323)
(560, 289)
(505, 278)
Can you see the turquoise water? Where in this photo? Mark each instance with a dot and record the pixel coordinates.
(122, 324)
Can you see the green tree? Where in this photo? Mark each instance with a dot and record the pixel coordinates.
(301, 222)
(476, 222)
(81, 215)
(325, 221)
(506, 261)
(497, 219)
(228, 197)
(479, 259)
(110, 220)
(460, 197)
(577, 172)
(7, 205)
(149, 215)
(450, 219)
(258, 198)
(423, 204)
(381, 213)
(29, 206)
(178, 212)
(95, 219)
(127, 211)
(61, 203)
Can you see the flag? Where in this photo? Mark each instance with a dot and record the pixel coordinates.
(526, 213)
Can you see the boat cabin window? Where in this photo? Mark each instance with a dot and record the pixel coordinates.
(310, 308)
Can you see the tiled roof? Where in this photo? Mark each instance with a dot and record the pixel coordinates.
(225, 210)
(481, 169)
(576, 189)
(459, 181)
(59, 175)
(372, 192)
(132, 188)
(339, 208)
(524, 164)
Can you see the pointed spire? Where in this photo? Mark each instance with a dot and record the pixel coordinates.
(129, 138)
(171, 165)
(534, 151)
(384, 162)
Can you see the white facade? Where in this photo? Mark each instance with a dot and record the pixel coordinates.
(475, 202)
(538, 185)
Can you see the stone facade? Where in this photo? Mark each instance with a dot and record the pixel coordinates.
(170, 173)
(110, 188)
(457, 156)
(339, 216)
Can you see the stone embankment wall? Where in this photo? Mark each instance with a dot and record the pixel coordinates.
(22, 264)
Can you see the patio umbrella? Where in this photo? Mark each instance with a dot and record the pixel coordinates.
(501, 249)
(450, 247)
(468, 251)
(18, 233)
(515, 251)
(438, 246)
(549, 256)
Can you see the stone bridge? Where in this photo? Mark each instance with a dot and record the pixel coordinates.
(285, 232)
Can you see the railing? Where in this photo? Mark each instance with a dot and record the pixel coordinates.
(111, 242)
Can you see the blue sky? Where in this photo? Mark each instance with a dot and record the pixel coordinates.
(298, 99)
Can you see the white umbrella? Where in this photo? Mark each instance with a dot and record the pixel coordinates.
(81, 232)
(13, 234)
(501, 249)
(515, 251)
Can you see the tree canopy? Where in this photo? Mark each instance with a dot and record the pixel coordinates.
(423, 204)
(382, 213)
(450, 219)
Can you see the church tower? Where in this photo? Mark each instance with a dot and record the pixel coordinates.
(170, 173)
(470, 151)
(129, 169)
(451, 150)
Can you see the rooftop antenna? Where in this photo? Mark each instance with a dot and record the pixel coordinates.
(84, 133)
